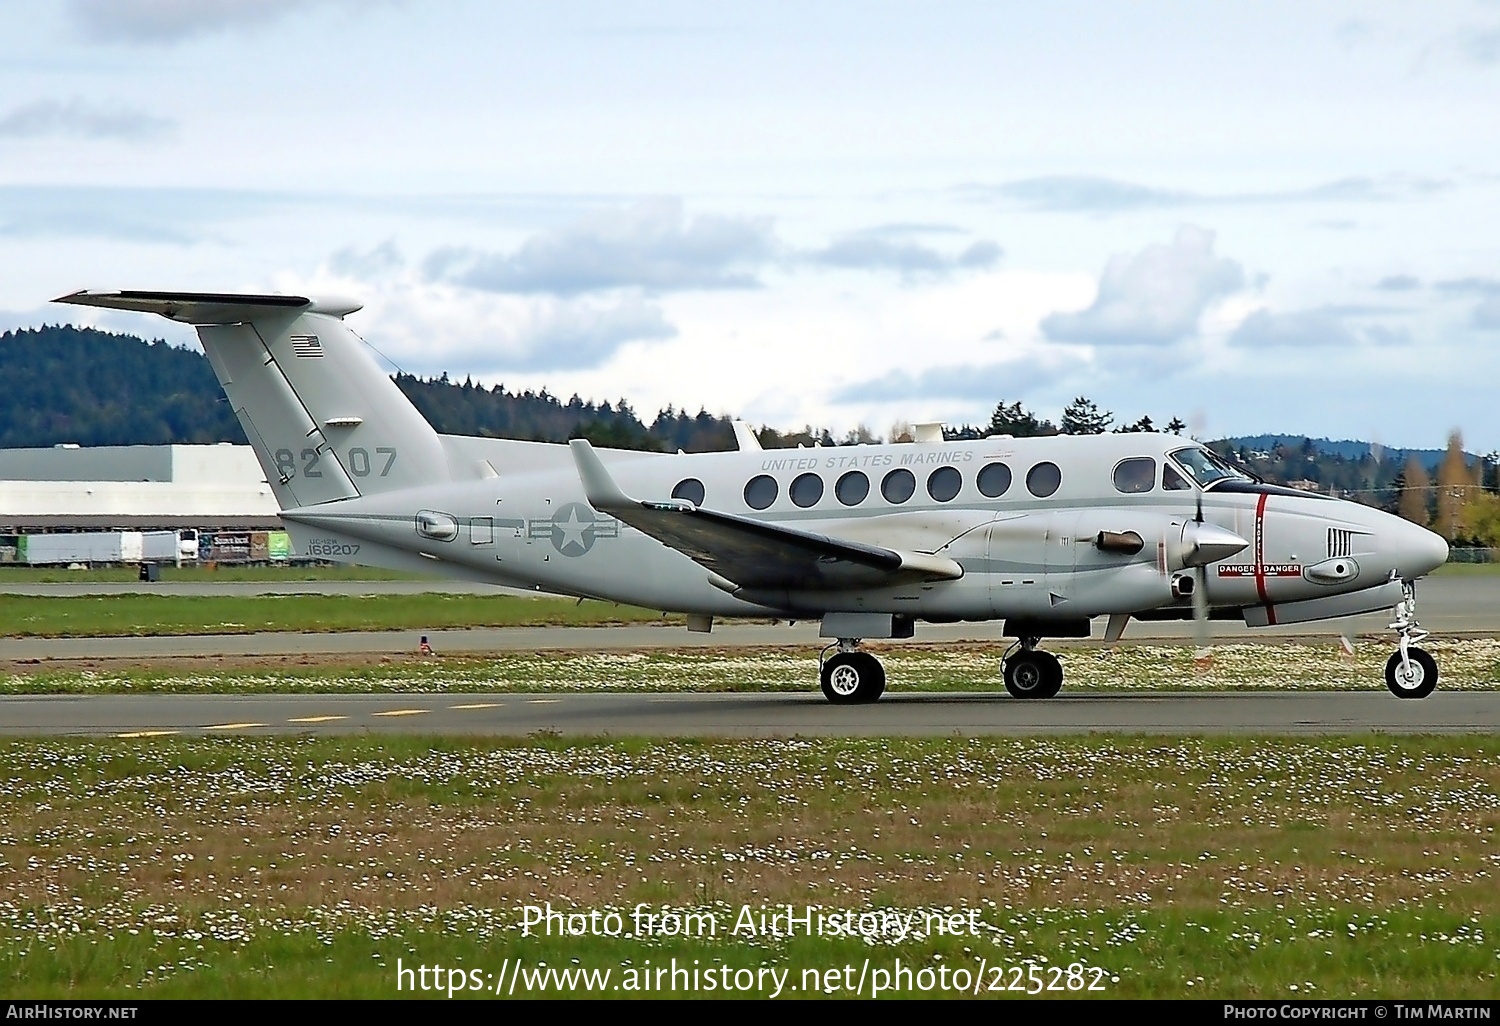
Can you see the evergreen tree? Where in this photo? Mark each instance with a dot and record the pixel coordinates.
(1018, 421)
(1083, 417)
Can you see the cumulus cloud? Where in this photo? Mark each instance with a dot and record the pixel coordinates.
(119, 225)
(880, 251)
(427, 328)
(650, 245)
(376, 262)
(1470, 286)
(1318, 328)
(1481, 45)
(171, 21)
(79, 119)
(1088, 194)
(968, 381)
(577, 335)
(1486, 315)
(1153, 297)
(1398, 283)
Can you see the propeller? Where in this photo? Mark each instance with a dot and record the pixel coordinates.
(1203, 656)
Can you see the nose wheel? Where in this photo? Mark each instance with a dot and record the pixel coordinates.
(1031, 673)
(1410, 672)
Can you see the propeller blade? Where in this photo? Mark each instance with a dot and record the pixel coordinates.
(1203, 656)
(1206, 551)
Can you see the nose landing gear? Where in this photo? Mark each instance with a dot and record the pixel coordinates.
(1410, 672)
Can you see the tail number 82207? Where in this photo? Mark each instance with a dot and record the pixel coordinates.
(358, 461)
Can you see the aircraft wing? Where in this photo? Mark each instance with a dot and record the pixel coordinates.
(751, 553)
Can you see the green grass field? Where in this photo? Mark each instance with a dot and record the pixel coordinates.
(141, 615)
(1156, 867)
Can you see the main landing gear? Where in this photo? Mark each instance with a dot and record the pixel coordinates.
(1410, 672)
(849, 676)
(1030, 672)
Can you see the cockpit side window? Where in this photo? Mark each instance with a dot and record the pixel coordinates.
(1135, 475)
(1172, 481)
(1204, 466)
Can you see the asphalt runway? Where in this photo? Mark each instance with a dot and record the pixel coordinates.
(1457, 605)
(741, 715)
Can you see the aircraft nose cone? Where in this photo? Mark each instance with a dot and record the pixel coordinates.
(1209, 543)
(1417, 551)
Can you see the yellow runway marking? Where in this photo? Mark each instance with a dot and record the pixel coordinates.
(232, 726)
(315, 719)
(479, 705)
(148, 733)
(401, 712)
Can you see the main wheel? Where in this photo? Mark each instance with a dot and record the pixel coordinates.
(853, 677)
(1416, 684)
(1054, 679)
(1033, 674)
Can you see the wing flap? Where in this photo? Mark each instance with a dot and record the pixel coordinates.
(751, 553)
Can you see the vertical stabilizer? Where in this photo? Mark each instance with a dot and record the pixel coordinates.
(325, 421)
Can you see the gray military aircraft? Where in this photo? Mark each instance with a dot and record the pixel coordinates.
(1045, 534)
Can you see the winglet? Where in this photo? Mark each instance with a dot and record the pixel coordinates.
(602, 492)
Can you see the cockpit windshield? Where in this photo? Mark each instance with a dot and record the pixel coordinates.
(1206, 466)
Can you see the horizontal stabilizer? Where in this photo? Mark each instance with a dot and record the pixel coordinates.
(207, 307)
(751, 553)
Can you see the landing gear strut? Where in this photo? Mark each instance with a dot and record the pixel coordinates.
(849, 676)
(1030, 672)
(1410, 672)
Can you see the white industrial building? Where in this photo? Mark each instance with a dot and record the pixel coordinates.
(134, 487)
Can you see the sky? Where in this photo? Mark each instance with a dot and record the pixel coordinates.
(1257, 217)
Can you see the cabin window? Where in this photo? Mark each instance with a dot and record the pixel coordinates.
(806, 490)
(482, 531)
(852, 488)
(943, 483)
(689, 488)
(1042, 480)
(761, 491)
(994, 480)
(1135, 475)
(898, 486)
(1172, 481)
(437, 526)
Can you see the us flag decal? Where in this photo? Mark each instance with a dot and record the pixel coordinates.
(307, 347)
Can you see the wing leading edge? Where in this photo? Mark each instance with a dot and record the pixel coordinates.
(752, 554)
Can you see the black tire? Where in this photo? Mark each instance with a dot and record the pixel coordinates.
(1054, 679)
(852, 678)
(1029, 674)
(1424, 675)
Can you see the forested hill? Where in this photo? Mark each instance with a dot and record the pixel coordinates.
(66, 384)
(1344, 448)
